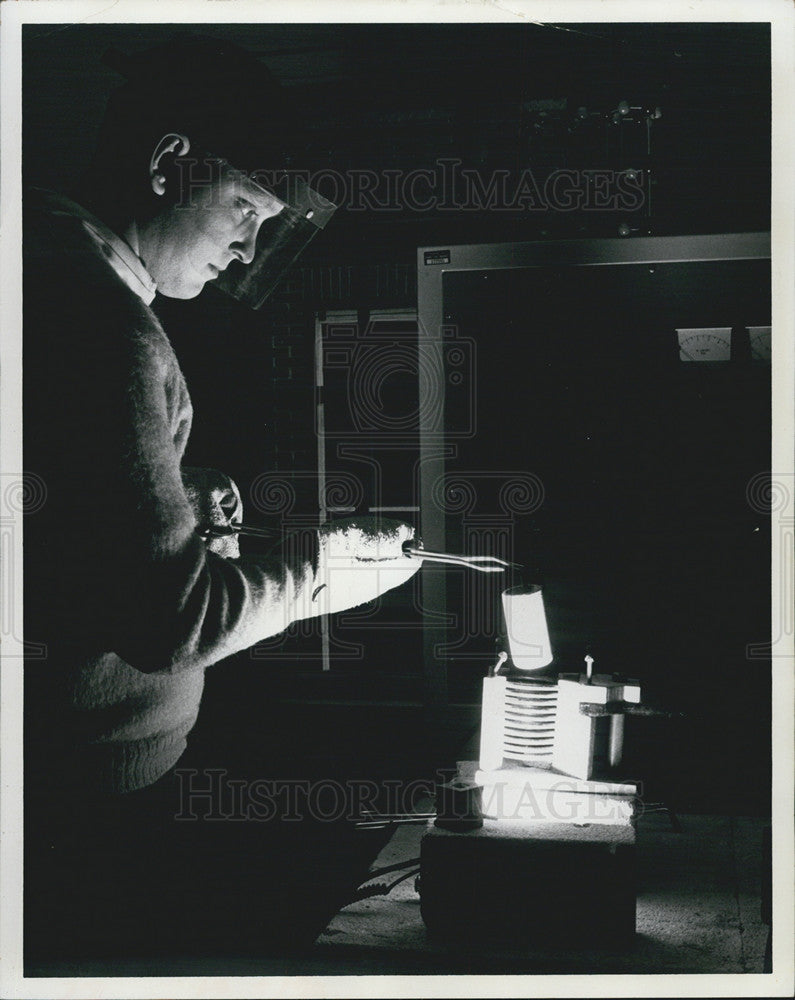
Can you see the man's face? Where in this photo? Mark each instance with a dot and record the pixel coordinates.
(190, 243)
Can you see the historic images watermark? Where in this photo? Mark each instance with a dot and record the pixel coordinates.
(447, 185)
(359, 432)
(773, 495)
(21, 495)
(213, 795)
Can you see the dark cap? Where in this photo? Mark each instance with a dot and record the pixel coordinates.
(220, 95)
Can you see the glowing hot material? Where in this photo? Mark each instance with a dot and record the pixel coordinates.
(526, 624)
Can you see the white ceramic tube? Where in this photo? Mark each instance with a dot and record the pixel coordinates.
(526, 627)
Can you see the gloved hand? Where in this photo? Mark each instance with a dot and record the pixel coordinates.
(358, 559)
(216, 502)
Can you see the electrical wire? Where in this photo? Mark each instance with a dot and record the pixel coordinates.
(390, 868)
(366, 891)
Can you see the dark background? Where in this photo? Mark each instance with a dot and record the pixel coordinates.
(651, 555)
(385, 97)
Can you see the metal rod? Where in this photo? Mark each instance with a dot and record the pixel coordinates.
(377, 824)
(392, 816)
(596, 711)
(379, 820)
(234, 528)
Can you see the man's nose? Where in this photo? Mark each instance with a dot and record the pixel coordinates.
(245, 249)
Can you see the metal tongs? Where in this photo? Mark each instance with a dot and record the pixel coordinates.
(484, 564)
(233, 528)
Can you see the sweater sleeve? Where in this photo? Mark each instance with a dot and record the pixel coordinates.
(178, 605)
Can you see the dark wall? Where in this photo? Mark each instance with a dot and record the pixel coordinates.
(494, 97)
(646, 533)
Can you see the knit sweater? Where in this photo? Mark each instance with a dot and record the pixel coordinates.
(128, 600)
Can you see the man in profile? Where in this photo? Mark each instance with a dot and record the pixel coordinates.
(122, 587)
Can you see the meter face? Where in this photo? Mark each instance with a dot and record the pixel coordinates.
(706, 344)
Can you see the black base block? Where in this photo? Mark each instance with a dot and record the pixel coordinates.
(525, 884)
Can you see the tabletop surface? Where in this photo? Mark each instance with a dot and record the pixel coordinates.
(698, 910)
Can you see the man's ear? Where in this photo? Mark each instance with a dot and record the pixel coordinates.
(172, 143)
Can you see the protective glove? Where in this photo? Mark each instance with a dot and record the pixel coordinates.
(216, 502)
(357, 560)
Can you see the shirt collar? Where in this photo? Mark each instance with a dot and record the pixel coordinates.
(118, 253)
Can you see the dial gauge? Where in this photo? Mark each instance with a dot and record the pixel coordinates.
(712, 343)
(760, 343)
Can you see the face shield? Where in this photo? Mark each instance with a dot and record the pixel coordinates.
(280, 240)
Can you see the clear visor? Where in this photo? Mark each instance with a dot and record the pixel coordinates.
(281, 239)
